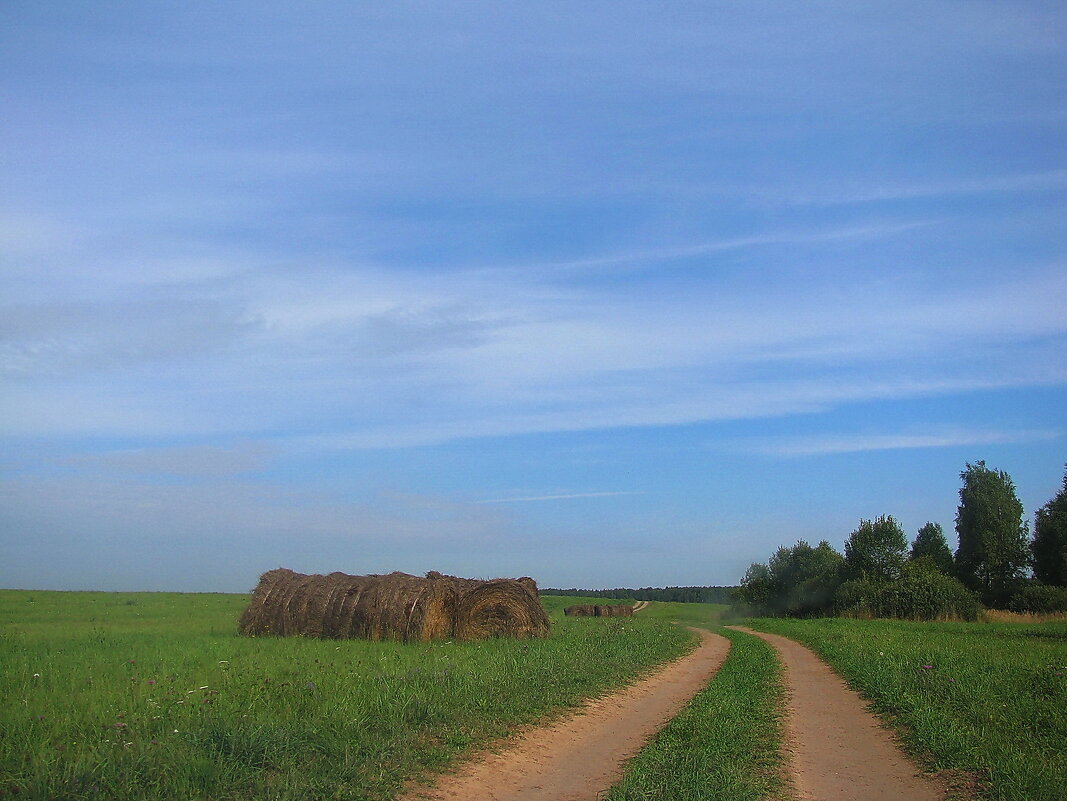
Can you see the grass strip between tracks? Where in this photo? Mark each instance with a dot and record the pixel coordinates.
(725, 743)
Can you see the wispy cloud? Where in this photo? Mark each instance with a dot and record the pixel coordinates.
(192, 460)
(818, 193)
(567, 496)
(829, 444)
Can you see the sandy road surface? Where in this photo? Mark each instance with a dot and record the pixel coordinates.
(837, 749)
(582, 754)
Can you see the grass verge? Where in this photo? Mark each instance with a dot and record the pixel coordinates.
(725, 743)
(979, 698)
(148, 696)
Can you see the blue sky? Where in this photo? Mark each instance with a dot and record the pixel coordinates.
(602, 293)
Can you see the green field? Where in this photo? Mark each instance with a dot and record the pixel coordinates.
(153, 696)
(984, 700)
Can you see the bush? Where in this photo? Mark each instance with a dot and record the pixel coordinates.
(1040, 599)
(917, 595)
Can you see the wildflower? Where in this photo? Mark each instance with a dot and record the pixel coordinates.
(150, 681)
(175, 731)
(928, 667)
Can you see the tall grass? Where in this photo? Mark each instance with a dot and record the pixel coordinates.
(985, 699)
(148, 696)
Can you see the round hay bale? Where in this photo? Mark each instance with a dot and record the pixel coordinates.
(394, 606)
(500, 608)
(580, 610)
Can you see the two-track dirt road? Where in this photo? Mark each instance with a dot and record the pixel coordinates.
(836, 749)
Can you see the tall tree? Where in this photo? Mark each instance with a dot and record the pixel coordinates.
(798, 581)
(1050, 540)
(875, 550)
(994, 552)
(930, 545)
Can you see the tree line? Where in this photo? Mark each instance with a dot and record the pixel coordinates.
(996, 564)
(691, 595)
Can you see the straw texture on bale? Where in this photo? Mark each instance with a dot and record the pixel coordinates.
(396, 606)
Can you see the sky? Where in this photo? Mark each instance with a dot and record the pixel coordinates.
(604, 293)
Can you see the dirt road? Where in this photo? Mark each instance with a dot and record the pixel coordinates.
(582, 754)
(837, 749)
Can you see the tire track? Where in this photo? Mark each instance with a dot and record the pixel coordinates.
(836, 748)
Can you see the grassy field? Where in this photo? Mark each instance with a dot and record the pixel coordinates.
(149, 696)
(980, 698)
(706, 616)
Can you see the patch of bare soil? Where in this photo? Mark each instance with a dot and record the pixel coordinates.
(581, 755)
(837, 749)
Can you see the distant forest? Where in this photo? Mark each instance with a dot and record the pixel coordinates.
(690, 595)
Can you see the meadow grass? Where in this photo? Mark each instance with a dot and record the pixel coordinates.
(984, 699)
(153, 696)
(706, 616)
(725, 743)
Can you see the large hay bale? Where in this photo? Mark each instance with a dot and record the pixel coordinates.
(394, 606)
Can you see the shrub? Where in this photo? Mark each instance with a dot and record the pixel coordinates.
(917, 595)
(1040, 599)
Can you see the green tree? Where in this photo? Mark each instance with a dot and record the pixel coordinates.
(1050, 540)
(930, 544)
(993, 551)
(798, 581)
(757, 588)
(875, 550)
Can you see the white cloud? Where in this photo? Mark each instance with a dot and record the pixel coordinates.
(192, 460)
(561, 497)
(828, 444)
(378, 359)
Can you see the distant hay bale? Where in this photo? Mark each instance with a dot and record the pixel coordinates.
(614, 610)
(580, 610)
(396, 606)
